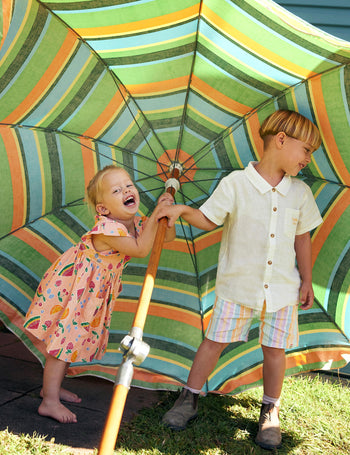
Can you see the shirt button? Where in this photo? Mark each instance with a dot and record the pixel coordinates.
(275, 209)
(273, 189)
(269, 262)
(266, 286)
(272, 235)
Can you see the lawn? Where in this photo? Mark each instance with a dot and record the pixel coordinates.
(315, 416)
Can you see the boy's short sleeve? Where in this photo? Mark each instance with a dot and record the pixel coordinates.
(220, 203)
(310, 216)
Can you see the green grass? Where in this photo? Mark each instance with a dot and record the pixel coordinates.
(315, 416)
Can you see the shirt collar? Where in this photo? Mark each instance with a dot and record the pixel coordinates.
(262, 185)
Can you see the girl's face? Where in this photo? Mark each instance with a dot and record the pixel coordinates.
(119, 197)
(297, 155)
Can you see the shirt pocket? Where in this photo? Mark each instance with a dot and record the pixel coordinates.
(291, 222)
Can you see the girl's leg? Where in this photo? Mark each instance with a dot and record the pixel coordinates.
(66, 395)
(204, 362)
(273, 371)
(51, 406)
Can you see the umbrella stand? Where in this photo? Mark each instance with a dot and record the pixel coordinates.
(134, 349)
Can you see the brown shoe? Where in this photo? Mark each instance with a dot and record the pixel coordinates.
(184, 410)
(269, 434)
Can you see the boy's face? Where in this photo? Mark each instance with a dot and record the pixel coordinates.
(296, 155)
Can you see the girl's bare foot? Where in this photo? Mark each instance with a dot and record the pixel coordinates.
(66, 395)
(57, 411)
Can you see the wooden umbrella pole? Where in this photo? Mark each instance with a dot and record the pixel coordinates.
(135, 350)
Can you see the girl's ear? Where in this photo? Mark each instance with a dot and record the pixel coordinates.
(101, 209)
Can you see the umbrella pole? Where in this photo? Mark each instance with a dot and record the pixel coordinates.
(134, 349)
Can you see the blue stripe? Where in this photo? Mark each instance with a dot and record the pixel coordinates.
(246, 58)
(49, 232)
(60, 88)
(158, 37)
(33, 168)
(12, 295)
(19, 71)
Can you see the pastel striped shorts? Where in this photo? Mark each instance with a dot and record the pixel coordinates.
(231, 322)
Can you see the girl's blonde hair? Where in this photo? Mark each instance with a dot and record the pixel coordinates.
(93, 190)
(293, 125)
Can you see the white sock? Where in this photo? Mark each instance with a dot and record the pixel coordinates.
(197, 391)
(270, 400)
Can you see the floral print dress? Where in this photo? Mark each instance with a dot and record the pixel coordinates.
(72, 307)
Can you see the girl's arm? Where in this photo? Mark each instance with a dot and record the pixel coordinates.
(302, 247)
(140, 246)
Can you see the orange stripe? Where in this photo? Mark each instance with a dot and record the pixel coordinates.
(43, 248)
(217, 97)
(17, 178)
(253, 125)
(312, 357)
(251, 377)
(326, 130)
(89, 159)
(292, 361)
(46, 80)
(328, 224)
(7, 6)
(208, 240)
(142, 25)
(153, 88)
(106, 118)
(200, 244)
(179, 245)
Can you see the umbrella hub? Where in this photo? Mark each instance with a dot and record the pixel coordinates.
(175, 170)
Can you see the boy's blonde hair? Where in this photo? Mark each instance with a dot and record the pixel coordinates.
(93, 190)
(293, 125)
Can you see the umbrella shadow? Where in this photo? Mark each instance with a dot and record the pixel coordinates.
(223, 422)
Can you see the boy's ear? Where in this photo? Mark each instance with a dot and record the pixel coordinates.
(101, 209)
(280, 138)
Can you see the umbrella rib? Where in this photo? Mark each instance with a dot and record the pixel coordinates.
(118, 83)
(188, 89)
(331, 319)
(75, 203)
(196, 270)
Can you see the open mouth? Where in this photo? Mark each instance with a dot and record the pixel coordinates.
(129, 201)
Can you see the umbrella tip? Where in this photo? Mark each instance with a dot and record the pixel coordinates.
(175, 166)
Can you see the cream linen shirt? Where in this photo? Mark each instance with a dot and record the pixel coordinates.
(257, 255)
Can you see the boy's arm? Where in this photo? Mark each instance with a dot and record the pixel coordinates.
(302, 247)
(193, 216)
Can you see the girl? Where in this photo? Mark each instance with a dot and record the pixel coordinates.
(72, 307)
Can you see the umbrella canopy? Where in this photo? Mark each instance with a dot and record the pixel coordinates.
(146, 84)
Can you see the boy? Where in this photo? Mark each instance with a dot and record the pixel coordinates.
(267, 218)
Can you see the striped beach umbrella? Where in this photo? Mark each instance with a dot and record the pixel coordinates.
(147, 85)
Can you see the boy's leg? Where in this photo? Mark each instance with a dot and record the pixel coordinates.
(269, 434)
(51, 405)
(204, 362)
(279, 331)
(185, 407)
(274, 368)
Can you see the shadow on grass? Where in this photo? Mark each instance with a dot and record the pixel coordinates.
(225, 425)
